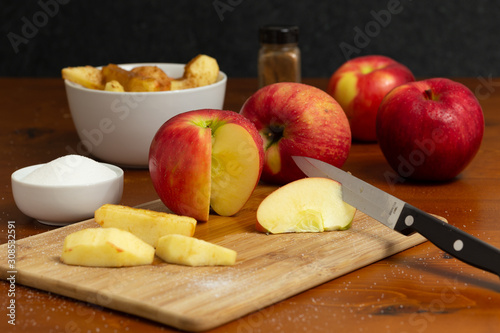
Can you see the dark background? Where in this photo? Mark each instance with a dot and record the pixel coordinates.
(433, 38)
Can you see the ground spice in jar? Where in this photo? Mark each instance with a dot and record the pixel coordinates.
(279, 55)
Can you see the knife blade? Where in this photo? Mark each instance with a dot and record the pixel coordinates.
(405, 218)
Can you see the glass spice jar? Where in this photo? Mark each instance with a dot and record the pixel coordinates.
(279, 54)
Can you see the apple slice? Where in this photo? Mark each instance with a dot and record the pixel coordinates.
(206, 159)
(106, 247)
(184, 250)
(305, 205)
(146, 224)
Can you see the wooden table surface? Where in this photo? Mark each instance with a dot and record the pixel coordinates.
(419, 290)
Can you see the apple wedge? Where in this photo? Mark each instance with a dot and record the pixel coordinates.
(87, 76)
(183, 250)
(105, 247)
(305, 205)
(206, 159)
(146, 224)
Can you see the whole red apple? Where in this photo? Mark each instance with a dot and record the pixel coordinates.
(360, 84)
(431, 129)
(206, 159)
(297, 119)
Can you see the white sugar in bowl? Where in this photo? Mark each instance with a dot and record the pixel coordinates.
(68, 200)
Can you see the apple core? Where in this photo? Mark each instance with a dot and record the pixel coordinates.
(310, 220)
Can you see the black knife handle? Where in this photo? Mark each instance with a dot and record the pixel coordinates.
(450, 239)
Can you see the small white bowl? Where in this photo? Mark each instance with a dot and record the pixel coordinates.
(118, 127)
(60, 205)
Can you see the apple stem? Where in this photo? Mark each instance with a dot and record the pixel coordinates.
(428, 94)
(275, 133)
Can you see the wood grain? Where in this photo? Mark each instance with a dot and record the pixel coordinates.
(420, 290)
(269, 269)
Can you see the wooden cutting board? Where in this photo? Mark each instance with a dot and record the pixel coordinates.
(269, 268)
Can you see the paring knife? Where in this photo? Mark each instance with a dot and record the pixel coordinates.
(404, 218)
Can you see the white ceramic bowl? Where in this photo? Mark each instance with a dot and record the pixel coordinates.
(64, 204)
(118, 127)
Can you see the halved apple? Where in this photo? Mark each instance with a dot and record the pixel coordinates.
(305, 205)
(206, 159)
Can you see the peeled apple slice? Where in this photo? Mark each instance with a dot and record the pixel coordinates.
(146, 224)
(189, 251)
(106, 247)
(305, 205)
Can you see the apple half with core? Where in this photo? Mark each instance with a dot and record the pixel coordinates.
(297, 119)
(431, 129)
(360, 84)
(305, 205)
(204, 159)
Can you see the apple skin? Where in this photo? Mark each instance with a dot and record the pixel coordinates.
(295, 119)
(180, 159)
(431, 129)
(360, 84)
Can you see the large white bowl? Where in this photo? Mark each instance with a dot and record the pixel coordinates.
(118, 127)
(64, 204)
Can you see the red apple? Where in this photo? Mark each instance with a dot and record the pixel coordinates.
(431, 129)
(206, 159)
(360, 84)
(297, 119)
